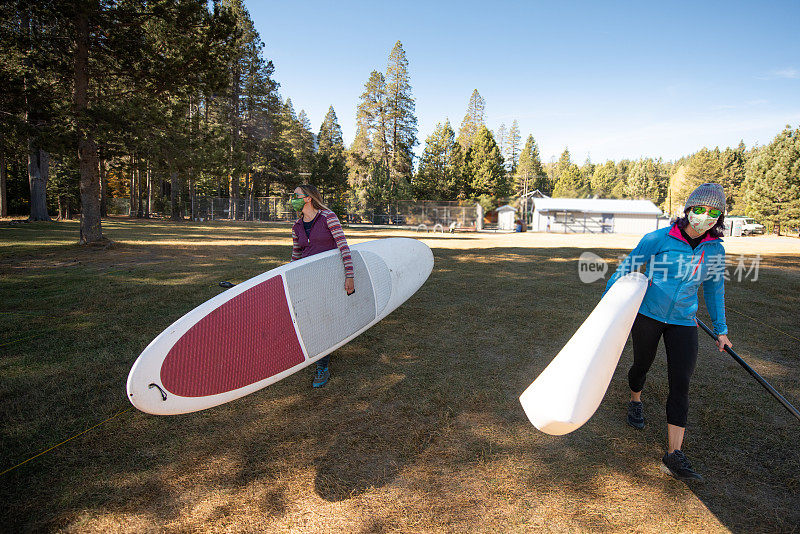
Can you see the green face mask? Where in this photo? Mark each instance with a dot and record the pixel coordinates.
(297, 203)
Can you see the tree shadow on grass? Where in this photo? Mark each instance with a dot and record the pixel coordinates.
(424, 404)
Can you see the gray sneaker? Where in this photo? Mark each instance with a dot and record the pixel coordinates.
(636, 414)
(678, 465)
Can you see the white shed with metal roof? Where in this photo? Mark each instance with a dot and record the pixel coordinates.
(596, 215)
(505, 217)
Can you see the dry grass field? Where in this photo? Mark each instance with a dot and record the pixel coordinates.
(419, 429)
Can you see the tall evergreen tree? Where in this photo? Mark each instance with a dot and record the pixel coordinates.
(402, 121)
(570, 182)
(438, 176)
(530, 169)
(502, 141)
(34, 65)
(733, 172)
(370, 154)
(703, 167)
(473, 120)
(486, 167)
(373, 119)
(358, 166)
(512, 147)
(330, 170)
(603, 179)
(772, 183)
(623, 169)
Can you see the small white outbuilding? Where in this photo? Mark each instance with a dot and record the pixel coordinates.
(506, 215)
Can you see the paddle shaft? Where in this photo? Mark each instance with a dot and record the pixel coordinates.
(740, 361)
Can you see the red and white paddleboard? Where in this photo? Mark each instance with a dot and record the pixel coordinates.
(273, 325)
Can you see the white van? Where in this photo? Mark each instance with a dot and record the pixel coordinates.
(736, 226)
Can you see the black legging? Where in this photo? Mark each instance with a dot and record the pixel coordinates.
(681, 344)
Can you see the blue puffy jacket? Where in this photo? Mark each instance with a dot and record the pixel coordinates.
(675, 273)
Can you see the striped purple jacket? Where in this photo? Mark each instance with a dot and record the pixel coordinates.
(325, 234)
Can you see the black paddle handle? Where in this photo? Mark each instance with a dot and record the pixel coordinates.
(740, 361)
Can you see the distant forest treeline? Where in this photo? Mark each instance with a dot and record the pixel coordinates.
(161, 101)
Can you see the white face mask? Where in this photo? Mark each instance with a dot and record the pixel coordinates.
(701, 223)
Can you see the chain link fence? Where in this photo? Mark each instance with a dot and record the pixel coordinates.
(255, 209)
(428, 214)
(450, 215)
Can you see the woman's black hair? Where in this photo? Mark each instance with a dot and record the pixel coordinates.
(718, 230)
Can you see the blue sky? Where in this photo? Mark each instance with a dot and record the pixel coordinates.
(610, 80)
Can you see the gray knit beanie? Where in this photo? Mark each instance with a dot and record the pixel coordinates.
(707, 195)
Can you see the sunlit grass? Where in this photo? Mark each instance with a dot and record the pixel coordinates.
(419, 429)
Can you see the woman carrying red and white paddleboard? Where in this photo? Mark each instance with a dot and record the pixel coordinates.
(678, 260)
(317, 230)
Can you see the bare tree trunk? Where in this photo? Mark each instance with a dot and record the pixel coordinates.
(247, 186)
(173, 194)
(38, 172)
(234, 180)
(3, 196)
(38, 159)
(103, 187)
(134, 172)
(91, 231)
(139, 201)
(192, 213)
(149, 192)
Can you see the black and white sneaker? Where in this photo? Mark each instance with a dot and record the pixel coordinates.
(678, 465)
(636, 414)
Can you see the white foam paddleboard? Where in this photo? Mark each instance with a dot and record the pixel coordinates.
(569, 390)
(273, 325)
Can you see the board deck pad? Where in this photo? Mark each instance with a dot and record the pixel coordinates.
(381, 279)
(221, 353)
(321, 326)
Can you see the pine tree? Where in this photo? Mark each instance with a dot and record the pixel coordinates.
(358, 167)
(502, 141)
(372, 117)
(437, 178)
(530, 169)
(623, 169)
(733, 172)
(473, 120)
(370, 154)
(703, 167)
(603, 179)
(330, 169)
(303, 139)
(637, 181)
(772, 183)
(402, 121)
(486, 167)
(587, 169)
(570, 182)
(512, 150)
(564, 162)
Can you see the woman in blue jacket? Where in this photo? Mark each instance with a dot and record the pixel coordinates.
(678, 260)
